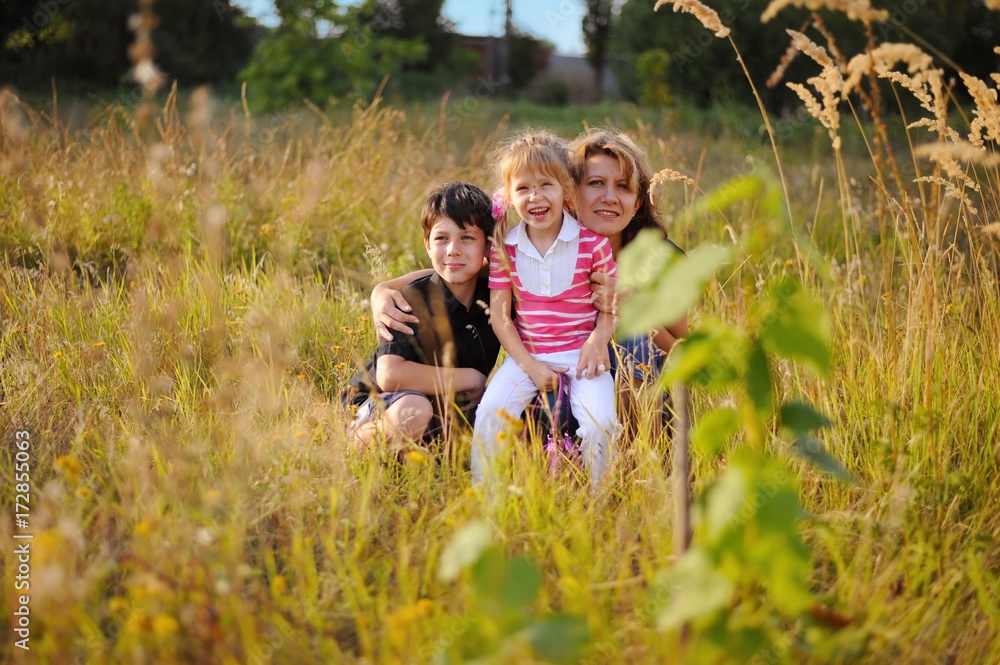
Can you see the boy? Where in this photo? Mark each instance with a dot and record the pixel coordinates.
(407, 391)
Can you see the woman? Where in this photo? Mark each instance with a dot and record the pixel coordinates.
(612, 199)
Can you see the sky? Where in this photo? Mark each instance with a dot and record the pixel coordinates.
(555, 20)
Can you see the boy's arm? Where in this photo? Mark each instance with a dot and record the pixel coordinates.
(544, 376)
(393, 373)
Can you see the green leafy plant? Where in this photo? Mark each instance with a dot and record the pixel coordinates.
(744, 586)
(502, 593)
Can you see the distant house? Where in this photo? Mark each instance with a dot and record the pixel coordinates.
(575, 71)
(492, 53)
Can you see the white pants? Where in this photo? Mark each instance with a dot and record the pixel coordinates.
(511, 390)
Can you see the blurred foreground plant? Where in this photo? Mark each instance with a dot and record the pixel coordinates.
(743, 588)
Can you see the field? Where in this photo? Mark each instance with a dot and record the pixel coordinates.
(182, 300)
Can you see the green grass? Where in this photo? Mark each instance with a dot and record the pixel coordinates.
(174, 340)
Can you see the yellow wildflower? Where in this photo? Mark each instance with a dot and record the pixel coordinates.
(164, 625)
(137, 622)
(278, 586)
(69, 466)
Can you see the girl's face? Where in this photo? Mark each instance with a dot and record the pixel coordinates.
(607, 200)
(538, 200)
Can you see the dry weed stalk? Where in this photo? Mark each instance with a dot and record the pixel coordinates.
(986, 123)
(667, 175)
(856, 10)
(829, 84)
(708, 16)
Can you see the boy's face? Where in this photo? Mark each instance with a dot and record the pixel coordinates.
(456, 253)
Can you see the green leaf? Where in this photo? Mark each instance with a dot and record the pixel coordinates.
(758, 379)
(689, 356)
(489, 574)
(714, 430)
(642, 261)
(732, 191)
(464, 549)
(665, 286)
(705, 358)
(797, 326)
(521, 584)
(811, 450)
(699, 590)
(723, 501)
(559, 638)
(801, 418)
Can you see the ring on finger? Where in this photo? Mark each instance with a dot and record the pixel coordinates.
(601, 367)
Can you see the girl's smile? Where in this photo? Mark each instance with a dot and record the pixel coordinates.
(538, 199)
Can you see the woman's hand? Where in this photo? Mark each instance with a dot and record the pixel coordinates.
(594, 359)
(602, 292)
(390, 310)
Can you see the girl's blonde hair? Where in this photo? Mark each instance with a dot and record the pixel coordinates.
(539, 151)
(636, 171)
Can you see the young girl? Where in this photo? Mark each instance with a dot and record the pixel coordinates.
(540, 305)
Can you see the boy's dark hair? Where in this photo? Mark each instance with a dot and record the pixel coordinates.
(462, 203)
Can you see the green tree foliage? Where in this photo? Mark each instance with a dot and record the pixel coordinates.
(651, 69)
(320, 51)
(527, 59)
(418, 20)
(85, 42)
(443, 62)
(597, 24)
(703, 68)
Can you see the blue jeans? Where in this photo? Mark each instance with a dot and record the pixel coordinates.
(638, 357)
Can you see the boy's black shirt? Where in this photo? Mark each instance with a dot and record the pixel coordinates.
(442, 319)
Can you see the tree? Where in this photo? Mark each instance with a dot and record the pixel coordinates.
(703, 67)
(597, 35)
(318, 52)
(86, 42)
(419, 20)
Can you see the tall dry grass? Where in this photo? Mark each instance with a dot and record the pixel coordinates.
(181, 301)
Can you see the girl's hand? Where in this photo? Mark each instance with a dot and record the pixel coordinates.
(602, 292)
(389, 310)
(545, 376)
(594, 359)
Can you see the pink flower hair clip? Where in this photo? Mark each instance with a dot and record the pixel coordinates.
(499, 208)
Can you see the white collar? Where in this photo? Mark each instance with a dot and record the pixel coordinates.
(569, 232)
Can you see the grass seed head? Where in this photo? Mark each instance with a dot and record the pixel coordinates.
(708, 16)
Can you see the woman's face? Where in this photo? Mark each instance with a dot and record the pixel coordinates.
(607, 201)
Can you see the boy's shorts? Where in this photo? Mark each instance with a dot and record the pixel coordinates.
(375, 405)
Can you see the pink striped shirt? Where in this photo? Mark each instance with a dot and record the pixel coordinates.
(560, 321)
